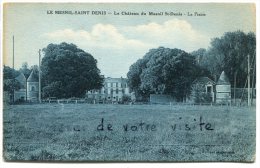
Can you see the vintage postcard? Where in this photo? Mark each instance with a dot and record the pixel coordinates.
(170, 82)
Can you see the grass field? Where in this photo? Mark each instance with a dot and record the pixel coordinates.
(84, 132)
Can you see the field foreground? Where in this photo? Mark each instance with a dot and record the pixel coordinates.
(84, 132)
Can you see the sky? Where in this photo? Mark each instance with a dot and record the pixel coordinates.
(117, 41)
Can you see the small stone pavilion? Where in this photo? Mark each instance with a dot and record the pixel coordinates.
(223, 90)
(33, 87)
(29, 89)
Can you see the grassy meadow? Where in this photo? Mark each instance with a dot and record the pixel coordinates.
(86, 132)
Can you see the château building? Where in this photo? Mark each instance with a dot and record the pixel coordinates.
(113, 90)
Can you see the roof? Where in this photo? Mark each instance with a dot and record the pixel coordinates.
(223, 79)
(108, 79)
(33, 77)
(204, 81)
(22, 80)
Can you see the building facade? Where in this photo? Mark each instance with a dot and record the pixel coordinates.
(223, 89)
(20, 95)
(206, 90)
(33, 87)
(29, 88)
(203, 90)
(113, 90)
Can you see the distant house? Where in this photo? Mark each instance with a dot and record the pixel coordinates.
(223, 89)
(29, 89)
(20, 95)
(113, 90)
(206, 90)
(203, 90)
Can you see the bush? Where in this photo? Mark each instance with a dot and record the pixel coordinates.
(126, 99)
(199, 95)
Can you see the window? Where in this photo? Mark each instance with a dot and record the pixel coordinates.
(32, 88)
(116, 91)
(209, 89)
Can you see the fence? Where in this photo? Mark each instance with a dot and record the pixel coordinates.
(86, 101)
(242, 93)
(160, 99)
(79, 101)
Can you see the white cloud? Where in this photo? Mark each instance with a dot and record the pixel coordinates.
(173, 33)
(101, 36)
(114, 52)
(116, 48)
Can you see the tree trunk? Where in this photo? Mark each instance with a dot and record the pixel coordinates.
(253, 84)
(235, 83)
(25, 89)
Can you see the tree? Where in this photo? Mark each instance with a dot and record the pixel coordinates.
(68, 71)
(54, 89)
(126, 99)
(10, 84)
(134, 78)
(199, 54)
(180, 72)
(9, 73)
(25, 70)
(199, 95)
(229, 53)
(164, 70)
